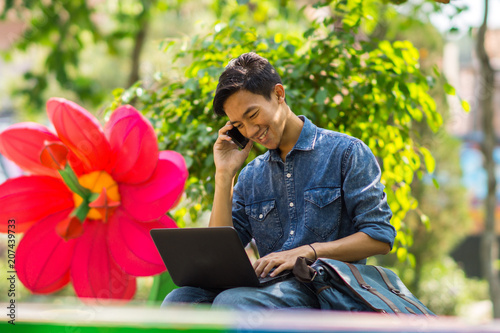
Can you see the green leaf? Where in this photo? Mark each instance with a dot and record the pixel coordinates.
(321, 96)
(429, 161)
(309, 32)
(465, 105)
(449, 89)
(425, 221)
(402, 254)
(290, 49)
(436, 183)
(412, 260)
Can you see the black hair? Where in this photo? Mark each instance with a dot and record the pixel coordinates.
(249, 72)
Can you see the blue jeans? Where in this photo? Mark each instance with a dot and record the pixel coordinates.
(284, 294)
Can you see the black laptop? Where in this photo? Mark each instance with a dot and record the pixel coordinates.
(211, 258)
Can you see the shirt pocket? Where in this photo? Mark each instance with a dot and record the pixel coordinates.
(265, 223)
(323, 206)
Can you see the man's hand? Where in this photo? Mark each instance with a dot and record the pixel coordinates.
(227, 157)
(284, 260)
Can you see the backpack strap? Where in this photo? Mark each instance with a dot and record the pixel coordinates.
(397, 292)
(374, 291)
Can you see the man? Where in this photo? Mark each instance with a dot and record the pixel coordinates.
(314, 193)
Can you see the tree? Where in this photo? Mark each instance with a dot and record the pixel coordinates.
(337, 74)
(445, 205)
(489, 243)
(371, 89)
(65, 28)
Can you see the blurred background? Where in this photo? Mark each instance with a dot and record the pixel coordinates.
(102, 53)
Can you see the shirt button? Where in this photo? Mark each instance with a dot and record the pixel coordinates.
(261, 216)
(288, 175)
(292, 232)
(291, 204)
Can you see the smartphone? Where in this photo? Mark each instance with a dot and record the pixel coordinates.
(237, 137)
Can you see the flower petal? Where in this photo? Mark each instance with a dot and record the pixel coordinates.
(23, 143)
(43, 258)
(80, 131)
(131, 245)
(150, 200)
(133, 145)
(94, 272)
(27, 199)
(167, 222)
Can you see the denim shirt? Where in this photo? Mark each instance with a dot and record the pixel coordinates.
(328, 188)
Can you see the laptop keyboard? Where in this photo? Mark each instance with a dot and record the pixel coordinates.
(271, 279)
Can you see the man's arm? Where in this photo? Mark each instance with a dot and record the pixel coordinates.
(228, 161)
(221, 210)
(366, 204)
(355, 247)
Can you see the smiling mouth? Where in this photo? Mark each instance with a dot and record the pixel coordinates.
(261, 138)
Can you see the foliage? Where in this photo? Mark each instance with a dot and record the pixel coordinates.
(447, 291)
(64, 29)
(371, 89)
(52, 24)
(443, 287)
(446, 206)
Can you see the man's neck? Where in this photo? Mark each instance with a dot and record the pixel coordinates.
(291, 134)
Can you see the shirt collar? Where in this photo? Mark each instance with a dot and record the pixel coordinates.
(306, 140)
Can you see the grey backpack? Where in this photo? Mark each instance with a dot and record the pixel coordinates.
(357, 287)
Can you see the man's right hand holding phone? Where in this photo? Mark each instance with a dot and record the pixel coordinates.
(228, 157)
(228, 160)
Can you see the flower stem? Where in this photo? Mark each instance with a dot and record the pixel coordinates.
(81, 211)
(71, 180)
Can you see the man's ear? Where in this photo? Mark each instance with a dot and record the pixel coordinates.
(280, 92)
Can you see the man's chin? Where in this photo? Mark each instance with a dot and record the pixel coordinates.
(270, 146)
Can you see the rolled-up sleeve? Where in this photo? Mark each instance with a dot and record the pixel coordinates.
(364, 195)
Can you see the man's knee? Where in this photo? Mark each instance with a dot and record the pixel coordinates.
(188, 295)
(286, 294)
(175, 296)
(240, 298)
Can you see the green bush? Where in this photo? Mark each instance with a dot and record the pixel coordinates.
(447, 291)
(373, 90)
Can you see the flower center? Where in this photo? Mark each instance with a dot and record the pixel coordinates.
(99, 182)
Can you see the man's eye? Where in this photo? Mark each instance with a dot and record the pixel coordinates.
(254, 115)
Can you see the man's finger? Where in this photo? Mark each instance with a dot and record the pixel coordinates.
(278, 270)
(225, 128)
(259, 265)
(270, 265)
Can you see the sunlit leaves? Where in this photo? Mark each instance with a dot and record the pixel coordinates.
(61, 32)
(449, 89)
(430, 163)
(373, 90)
(425, 221)
(465, 105)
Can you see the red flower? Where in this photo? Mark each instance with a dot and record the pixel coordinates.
(91, 199)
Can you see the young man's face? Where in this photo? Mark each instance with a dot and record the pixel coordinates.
(259, 119)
